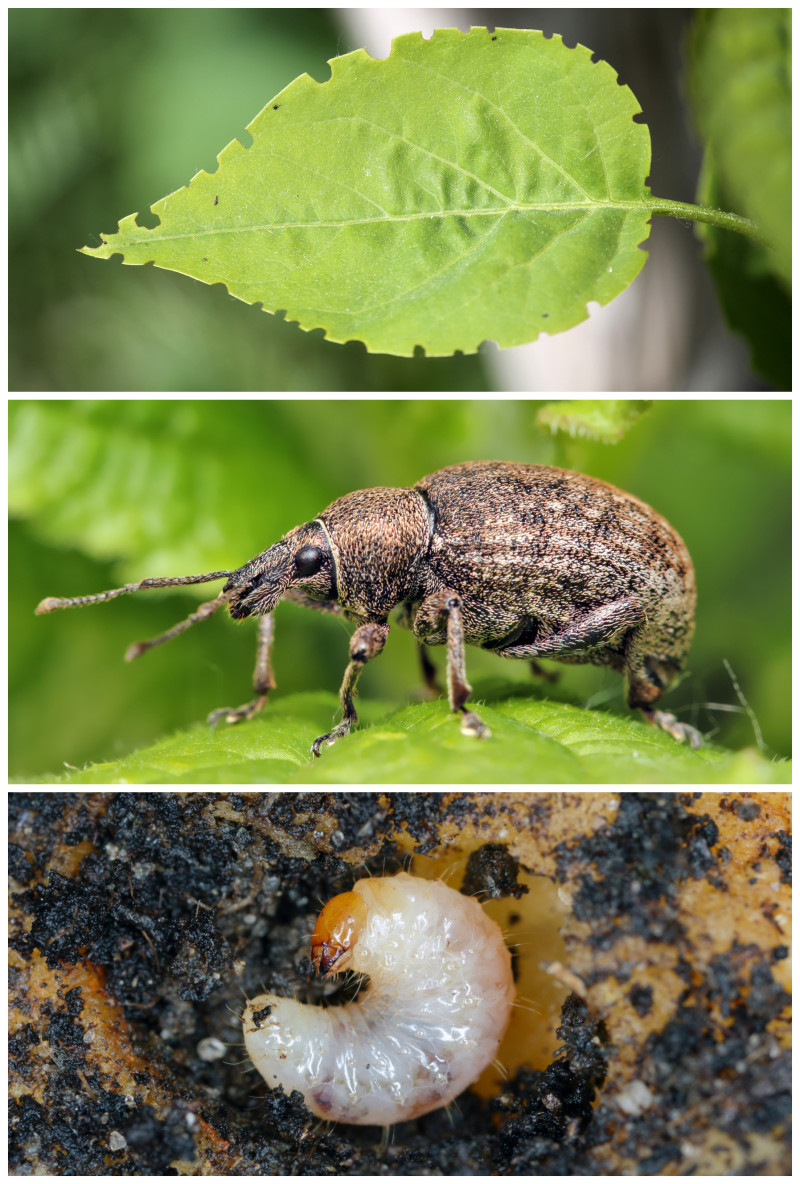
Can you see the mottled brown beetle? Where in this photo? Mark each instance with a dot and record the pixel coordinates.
(524, 560)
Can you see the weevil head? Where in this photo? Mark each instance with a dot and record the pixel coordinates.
(336, 932)
(378, 539)
(363, 551)
(302, 559)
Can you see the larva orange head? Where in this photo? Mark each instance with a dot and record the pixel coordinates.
(336, 932)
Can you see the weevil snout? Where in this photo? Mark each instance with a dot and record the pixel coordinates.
(255, 595)
(301, 559)
(257, 587)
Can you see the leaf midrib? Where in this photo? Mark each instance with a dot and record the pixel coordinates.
(343, 223)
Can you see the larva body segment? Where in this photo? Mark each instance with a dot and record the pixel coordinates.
(430, 1021)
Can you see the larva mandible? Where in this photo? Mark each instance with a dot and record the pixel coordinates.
(430, 1021)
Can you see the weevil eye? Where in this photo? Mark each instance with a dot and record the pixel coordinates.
(308, 560)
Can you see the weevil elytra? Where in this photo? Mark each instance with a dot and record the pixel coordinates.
(526, 561)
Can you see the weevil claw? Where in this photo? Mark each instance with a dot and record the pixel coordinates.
(235, 715)
(473, 725)
(221, 713)
(676, 729)
(330, 738)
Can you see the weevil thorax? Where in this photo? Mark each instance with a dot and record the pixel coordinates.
(379, 539)
(302, 559)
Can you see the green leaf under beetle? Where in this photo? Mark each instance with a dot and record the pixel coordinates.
(475, 186)
(534, 741)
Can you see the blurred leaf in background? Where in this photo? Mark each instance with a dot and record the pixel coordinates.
(106, 491)
(111, 107)
(108, 109)
(606, 420)
(740, 80)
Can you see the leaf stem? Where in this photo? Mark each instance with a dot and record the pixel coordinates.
(720, 218)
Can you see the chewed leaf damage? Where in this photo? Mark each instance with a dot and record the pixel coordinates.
(457, 192)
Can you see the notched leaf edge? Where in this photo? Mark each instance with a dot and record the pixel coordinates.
(340, 66)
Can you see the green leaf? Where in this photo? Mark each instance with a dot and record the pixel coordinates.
(606, 420)
(742, 97)
(754, 301)
(150, 479)
(534, 741)
(740, 62)
(470, 187)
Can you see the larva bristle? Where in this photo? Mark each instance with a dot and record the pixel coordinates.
(526, 1005)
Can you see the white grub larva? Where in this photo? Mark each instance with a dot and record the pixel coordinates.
(430, 1021)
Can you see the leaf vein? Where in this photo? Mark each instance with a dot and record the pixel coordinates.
(342, 223)
(501, 111)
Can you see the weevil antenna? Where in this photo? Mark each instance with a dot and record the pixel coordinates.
(51, 603)
(205, 610)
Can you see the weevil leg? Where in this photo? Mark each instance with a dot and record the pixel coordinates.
(673, 726)
(458, 689)
(430, 674)
(365, 644)
(433, 610)
(647, 676)
(263, 678)
(538, 671)
(594, 628)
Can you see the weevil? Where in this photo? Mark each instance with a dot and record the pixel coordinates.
(526, 561)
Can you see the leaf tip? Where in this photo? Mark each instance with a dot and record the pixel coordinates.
(102, 251)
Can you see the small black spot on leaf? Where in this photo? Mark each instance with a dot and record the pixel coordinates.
(275, 106)
(216, 200)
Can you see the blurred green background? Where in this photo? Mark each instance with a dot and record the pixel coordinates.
(111, 109)
(109, 491)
